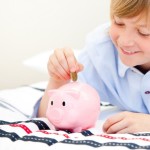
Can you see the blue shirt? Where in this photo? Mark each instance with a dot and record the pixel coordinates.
(120, 85)
(123, 86)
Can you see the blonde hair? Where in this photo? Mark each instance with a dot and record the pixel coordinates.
(129, 8)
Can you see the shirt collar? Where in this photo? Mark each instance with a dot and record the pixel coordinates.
(122, 68)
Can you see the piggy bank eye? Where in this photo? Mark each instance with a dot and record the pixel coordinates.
(63, 103)
(51, 102)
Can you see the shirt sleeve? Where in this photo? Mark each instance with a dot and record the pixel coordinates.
(36, 108)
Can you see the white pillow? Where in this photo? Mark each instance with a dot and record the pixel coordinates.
(40, 60)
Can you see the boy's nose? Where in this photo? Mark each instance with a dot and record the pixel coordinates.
(126, 39)
(126, 43)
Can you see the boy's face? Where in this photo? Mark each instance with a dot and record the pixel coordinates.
(132, 39)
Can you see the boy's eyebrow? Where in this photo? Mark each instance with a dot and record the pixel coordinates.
(144, 26)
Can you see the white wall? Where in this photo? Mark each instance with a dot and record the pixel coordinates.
(28, 27)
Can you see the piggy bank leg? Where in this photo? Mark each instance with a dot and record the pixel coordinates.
(79, 129)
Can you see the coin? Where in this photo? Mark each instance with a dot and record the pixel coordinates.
(73, 76)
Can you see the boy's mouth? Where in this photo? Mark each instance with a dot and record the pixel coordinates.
(128, 52)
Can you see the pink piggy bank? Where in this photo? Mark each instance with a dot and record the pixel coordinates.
(74, 106)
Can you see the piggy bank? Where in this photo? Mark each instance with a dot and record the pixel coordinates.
(74, 106)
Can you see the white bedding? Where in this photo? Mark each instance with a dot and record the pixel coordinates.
(22, 99)
(19, 132)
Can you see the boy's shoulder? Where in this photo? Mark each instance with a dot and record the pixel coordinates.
(99, 34)
(99, 45)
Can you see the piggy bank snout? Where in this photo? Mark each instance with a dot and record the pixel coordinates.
(56, 115)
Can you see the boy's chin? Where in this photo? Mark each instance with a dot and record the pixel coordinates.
(128, 63)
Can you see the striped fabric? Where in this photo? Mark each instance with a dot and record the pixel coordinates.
(37, 134)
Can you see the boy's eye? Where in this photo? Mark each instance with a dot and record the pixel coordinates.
(144, 34)
(118, 23)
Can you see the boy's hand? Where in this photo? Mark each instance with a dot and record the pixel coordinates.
(61, 63)
(127, 122)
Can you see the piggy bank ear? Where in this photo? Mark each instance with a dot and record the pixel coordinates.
(50, 92)
(74, 94)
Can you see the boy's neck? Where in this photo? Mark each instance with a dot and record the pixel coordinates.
(142, 69)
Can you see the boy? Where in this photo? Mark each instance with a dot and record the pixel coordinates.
(116, 62)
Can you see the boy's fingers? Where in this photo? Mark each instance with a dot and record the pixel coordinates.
(62, 60)
(80, 67)
(55, 68)
(71, 60)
